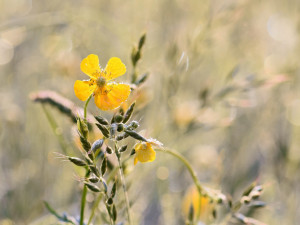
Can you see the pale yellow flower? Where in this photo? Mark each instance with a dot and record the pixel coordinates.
(144, 151)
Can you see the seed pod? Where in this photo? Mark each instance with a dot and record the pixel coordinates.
(82, 127)
(97, 144)
(133, 124)
(113, 189)
(258, 204)
(110, 201)
(85, 144)
(142, 41)
(123, 148)
(142, 79)
(93, 187)
(121, 111)
(114, 213)
(122, 136)
(77, 161)
(108, 150)
(93, 179)
(89, 161)
(128, 113)
(191, 213)
(214, 213)
(91, 155)
(132, 152)
(135, 135)
(120, 127)
(118, 118)
(95, 170)
(104, 165)
(103, 130)
(101, 120)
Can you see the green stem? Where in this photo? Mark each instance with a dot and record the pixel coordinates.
(83, 200)
(124, 189)
(55, 128)
(109, 179)
(85, 106)
(84, 191)
(187, 165)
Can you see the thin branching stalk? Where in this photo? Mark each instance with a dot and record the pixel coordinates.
(84, 191)
(55, 127)
(125, 190)
(109, 179)
(187, 165)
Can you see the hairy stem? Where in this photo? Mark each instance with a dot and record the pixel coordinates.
(125, 190)
(187, 165)
(84, 191)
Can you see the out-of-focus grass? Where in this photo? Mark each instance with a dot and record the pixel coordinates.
(223, 90)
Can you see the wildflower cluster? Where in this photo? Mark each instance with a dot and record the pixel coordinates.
(99, 157)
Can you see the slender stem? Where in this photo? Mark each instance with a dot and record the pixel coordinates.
(83, 200)
(85, 106)
(109, 179)
(188, 166)
(84, 191)
(55, 127)
(124, 189)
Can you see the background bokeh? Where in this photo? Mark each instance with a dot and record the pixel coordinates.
(223, 90)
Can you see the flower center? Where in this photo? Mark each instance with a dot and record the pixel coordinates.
(101, 81)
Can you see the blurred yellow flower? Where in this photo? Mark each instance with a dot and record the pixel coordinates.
(144, 151)
(108, 95)
(201, 204)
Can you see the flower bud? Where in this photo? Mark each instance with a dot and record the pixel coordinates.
(77, 161)
(128, 113)
(82, 127)
(101, 120)
(103, 129)
(108, 150)
(123, 148)
(118, 118)
(93, 187)
(97, 144)
(135, 135)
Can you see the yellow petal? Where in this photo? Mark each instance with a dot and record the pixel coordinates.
(83, 89)
(114, 68)
(145, 152)
(135, 160)
(111, 96)
(90, 66)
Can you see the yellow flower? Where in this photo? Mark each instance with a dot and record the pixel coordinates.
(144, 151)
(108, 95)
(201, 204)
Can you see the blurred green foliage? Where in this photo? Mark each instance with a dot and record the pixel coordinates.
(223, 90)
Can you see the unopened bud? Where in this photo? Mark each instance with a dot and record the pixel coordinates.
(128, 113)
(93, 179)
(82, 127)
(118, 118)
(97, 144)
(103, 129)
(123, 148)
(93, 187)
(122, 136)
(108, 150)
(101, 120)
(77, 161)
(120, 127)
(110, 201)
(135, 135)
